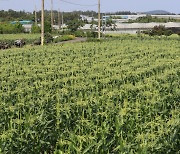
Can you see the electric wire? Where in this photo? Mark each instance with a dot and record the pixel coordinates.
(77, 3)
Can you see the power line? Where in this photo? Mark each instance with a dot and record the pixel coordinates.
(77, 3)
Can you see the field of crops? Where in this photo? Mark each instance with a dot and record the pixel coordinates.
(13, 37)
(32, 38)
(10, 38)
(116, 96)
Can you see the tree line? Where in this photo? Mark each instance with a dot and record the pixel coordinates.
(12, 15)
(148, 19)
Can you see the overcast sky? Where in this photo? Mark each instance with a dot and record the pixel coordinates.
(107, 5)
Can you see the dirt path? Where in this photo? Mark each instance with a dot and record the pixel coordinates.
(77, 39)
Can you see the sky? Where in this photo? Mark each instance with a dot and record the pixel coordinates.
(106, 5)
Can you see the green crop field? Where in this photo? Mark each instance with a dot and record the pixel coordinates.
(10, 38)
(116, 96)
(31, 38)
(19, 36)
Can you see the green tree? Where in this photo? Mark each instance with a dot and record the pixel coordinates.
(74, 25)
(18, 28)
(35, 29)
(109, 22)
(47, 27)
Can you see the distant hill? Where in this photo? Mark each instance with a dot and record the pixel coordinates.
(161, 12)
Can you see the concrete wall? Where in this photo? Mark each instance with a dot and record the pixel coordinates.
(145, 25)
(133, 28)
(27, 27)
(127, 31)
(123, 27)
(126, 18)
(167, 16)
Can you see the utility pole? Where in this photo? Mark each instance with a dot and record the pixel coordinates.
(99, 20)
(59, 20)
(92, 21)
(52, 14)
(105, 22)
(35, 15)
(62, 19)
(42, 24)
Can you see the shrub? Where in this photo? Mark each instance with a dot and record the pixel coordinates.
(18, 28)
(64, 38)
(80, 33)
(178, 33)
(92, 34)
(168, 32)
(4, 45)
(8, 28)
(47, 27)
(48, 38)
(159, 31)
(35, 29)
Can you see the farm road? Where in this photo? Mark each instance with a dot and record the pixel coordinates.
(78, 39)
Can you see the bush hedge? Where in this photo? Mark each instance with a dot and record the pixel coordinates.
(7, 28)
